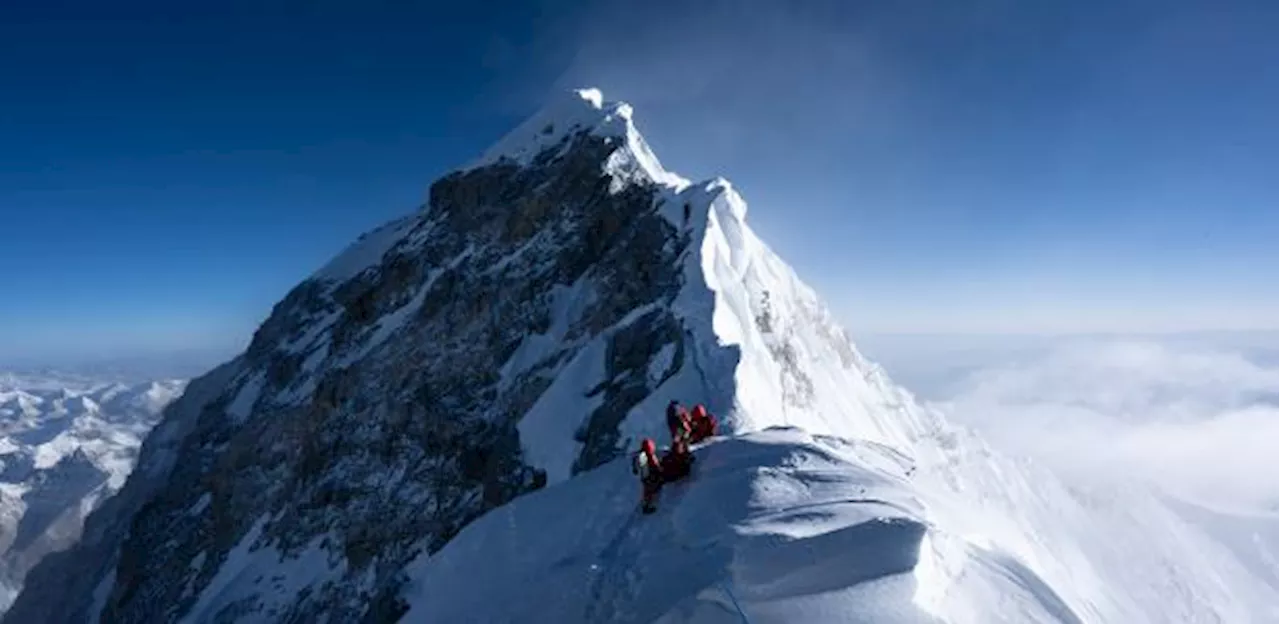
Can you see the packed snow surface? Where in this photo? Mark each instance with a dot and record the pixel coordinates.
(773, 526)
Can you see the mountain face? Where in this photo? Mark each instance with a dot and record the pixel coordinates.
(426, 429)
(66, 443)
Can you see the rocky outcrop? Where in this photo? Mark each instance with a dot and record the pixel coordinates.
(376, 413)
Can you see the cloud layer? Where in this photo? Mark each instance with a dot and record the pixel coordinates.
(1198, 420)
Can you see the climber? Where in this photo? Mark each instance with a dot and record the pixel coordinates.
(678, 425)
(676, 463)
(702, 424)
(649, 469)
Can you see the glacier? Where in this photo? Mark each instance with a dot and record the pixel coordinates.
(434, 427)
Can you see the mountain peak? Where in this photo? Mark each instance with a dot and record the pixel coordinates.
(569, 114)
(521, 333)
(592, 96)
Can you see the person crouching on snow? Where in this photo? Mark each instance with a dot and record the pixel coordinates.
(702, 424)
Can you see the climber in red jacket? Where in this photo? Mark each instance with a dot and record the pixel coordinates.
(650, 471)
(679, 426)
(702, 424)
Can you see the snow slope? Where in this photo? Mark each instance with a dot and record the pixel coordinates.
(445, 404)
(1251, 536)
(66, 442)
(774, 526)
(765, 352)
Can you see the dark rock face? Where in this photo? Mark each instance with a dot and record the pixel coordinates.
(378, 416)
(626, 364)
(797, 387)
(16, 467)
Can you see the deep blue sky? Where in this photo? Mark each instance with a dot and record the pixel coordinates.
(168, 172)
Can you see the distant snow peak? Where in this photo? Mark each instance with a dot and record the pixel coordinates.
(63, 449)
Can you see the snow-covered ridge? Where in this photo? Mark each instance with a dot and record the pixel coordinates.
(581, 110)
(766, 352)
(66, 443)
(776, 526)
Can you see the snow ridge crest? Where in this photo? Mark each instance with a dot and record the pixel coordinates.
(571, 112)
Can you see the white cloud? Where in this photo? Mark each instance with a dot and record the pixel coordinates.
(1198, 420)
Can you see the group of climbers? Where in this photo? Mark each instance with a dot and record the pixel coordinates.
(689, 427)
(686, 428)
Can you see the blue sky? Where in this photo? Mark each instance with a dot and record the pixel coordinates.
(168, 172)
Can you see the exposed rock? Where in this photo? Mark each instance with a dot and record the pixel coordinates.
(372, 416)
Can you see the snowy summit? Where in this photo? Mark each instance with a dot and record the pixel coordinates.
(438, 426)
(578, 111)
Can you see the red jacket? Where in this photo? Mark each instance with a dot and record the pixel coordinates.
(647, 465)
(703, 424)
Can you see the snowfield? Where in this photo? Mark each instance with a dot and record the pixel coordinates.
(773, 526)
